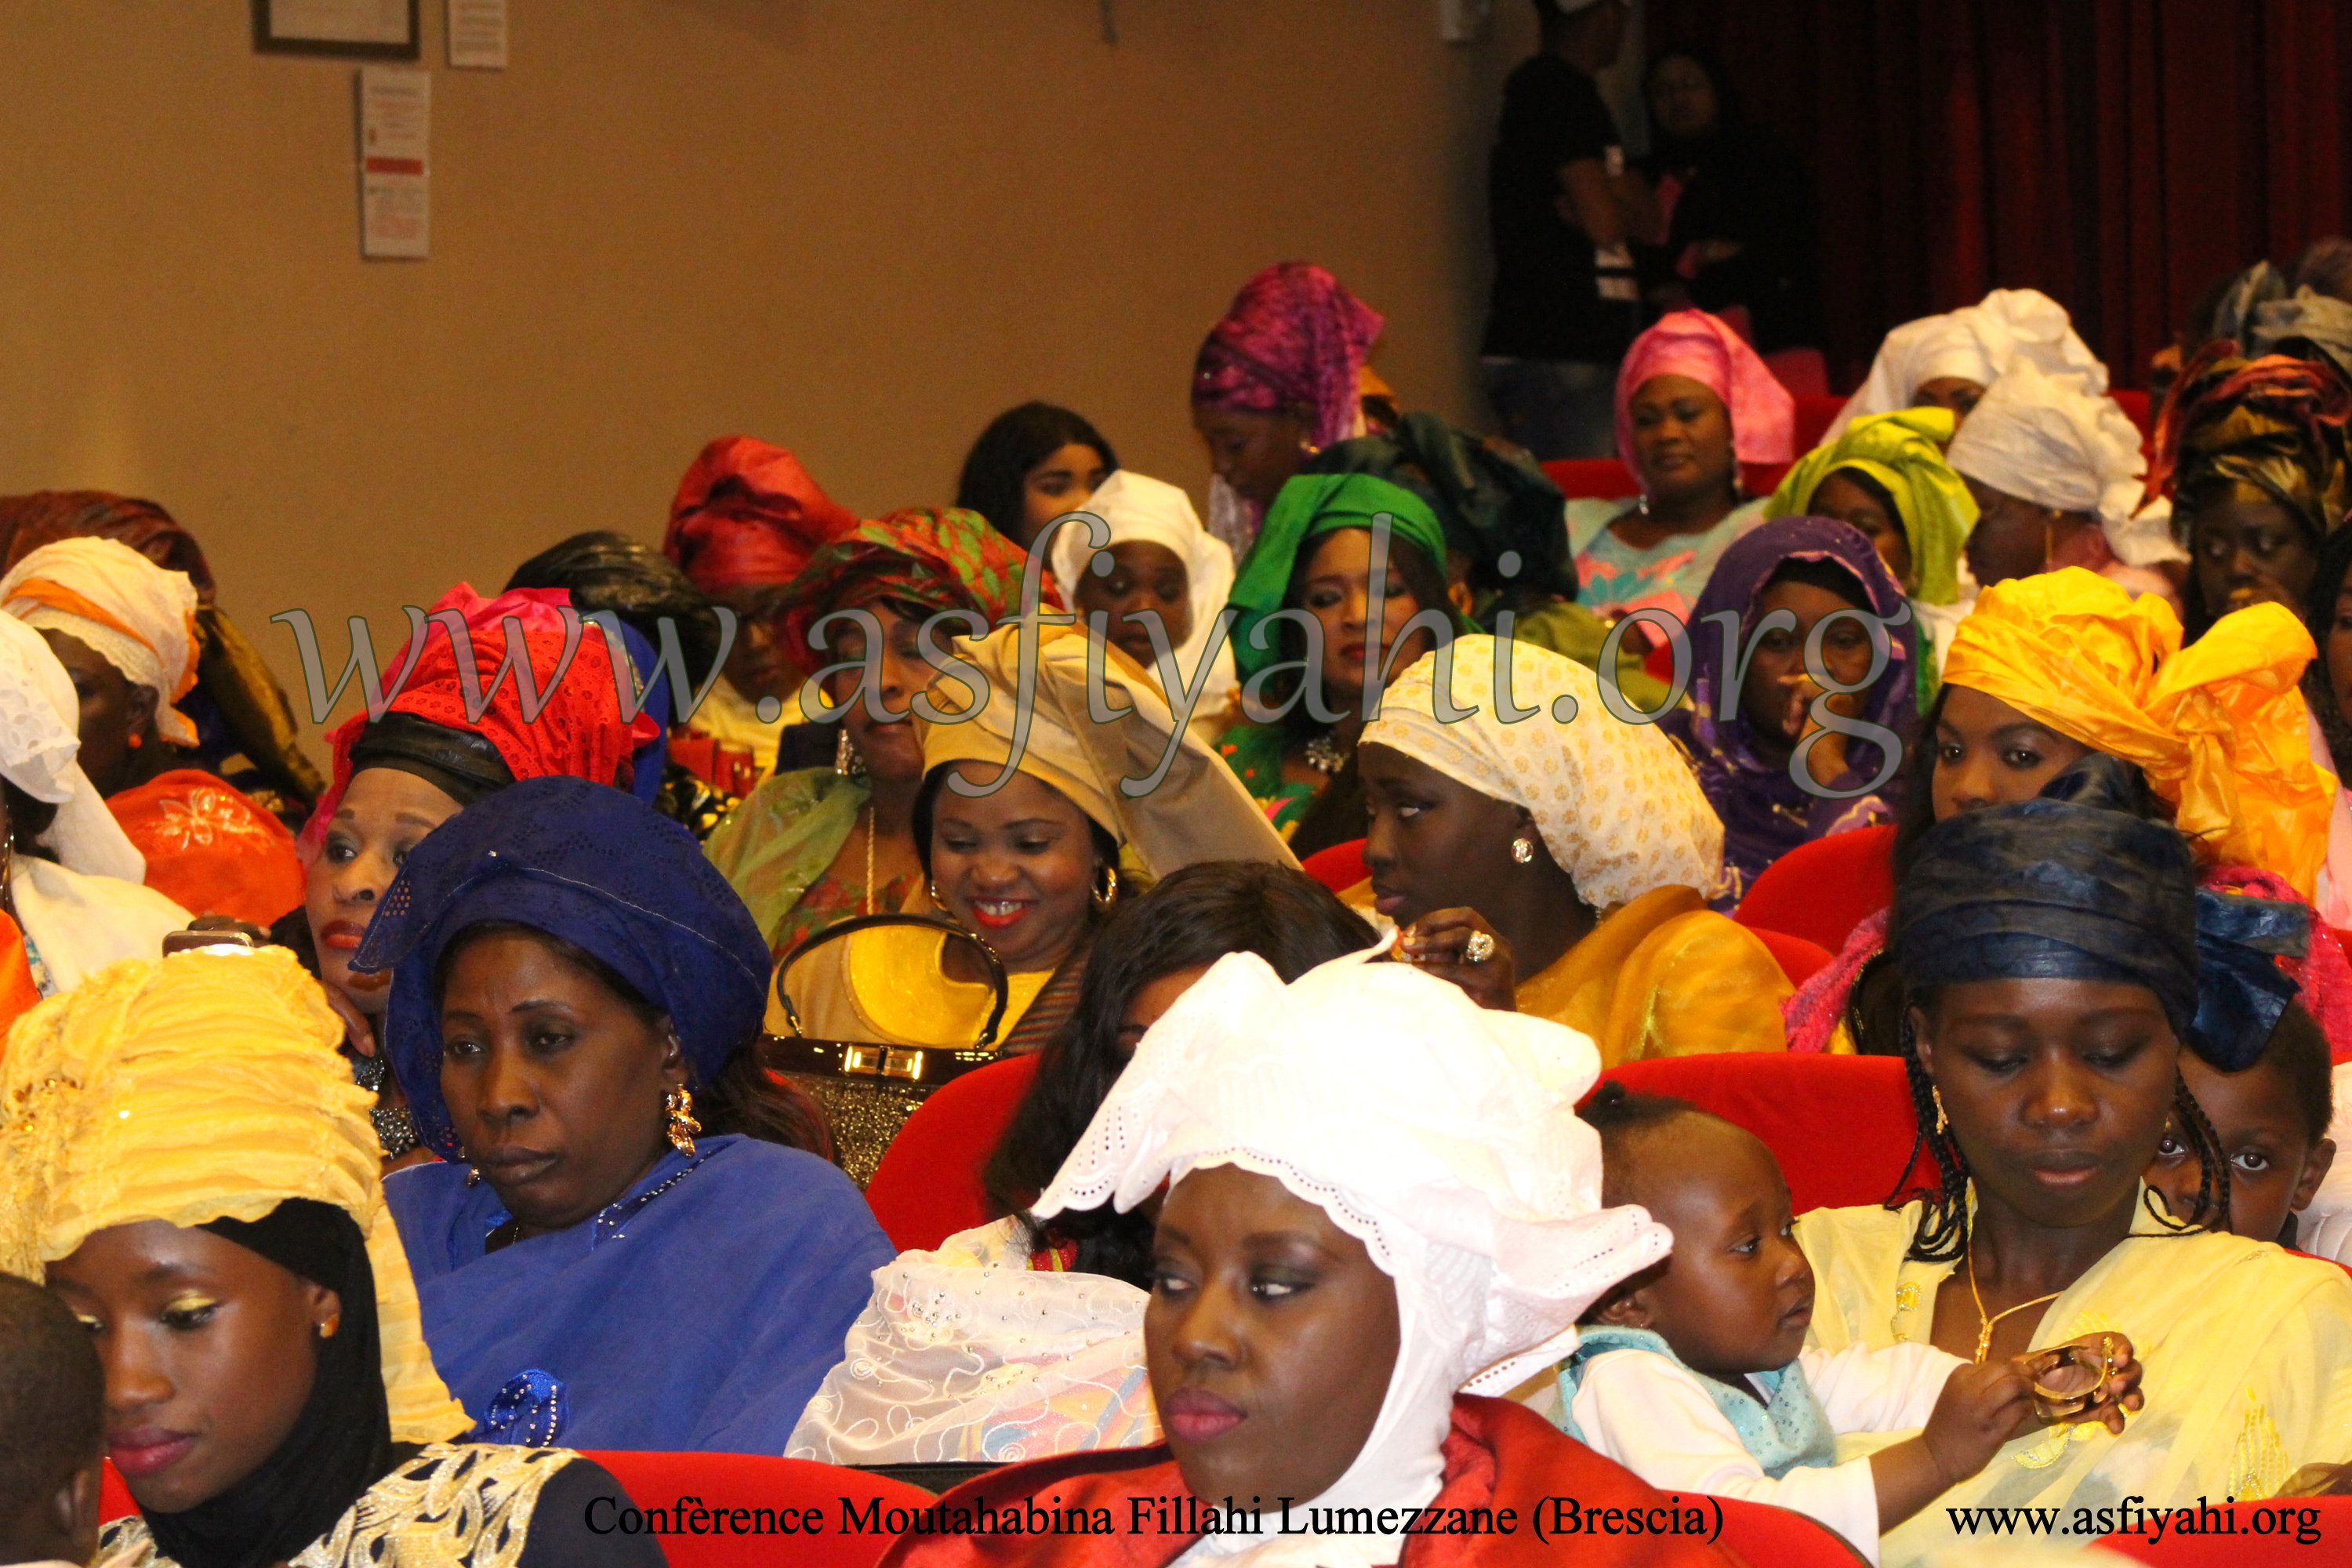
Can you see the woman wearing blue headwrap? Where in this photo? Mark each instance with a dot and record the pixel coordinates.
(576, 995)
(2058, 955)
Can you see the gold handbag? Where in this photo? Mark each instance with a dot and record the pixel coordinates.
(869, 1091)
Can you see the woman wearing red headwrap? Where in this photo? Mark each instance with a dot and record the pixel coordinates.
(746, 519)
(435, 749)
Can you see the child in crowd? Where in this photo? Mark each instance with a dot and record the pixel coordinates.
(52, 1430)
(1690, 1374)
(2271, 1118)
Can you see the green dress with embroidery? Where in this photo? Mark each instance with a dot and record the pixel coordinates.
(1254, 752)
(775, 847)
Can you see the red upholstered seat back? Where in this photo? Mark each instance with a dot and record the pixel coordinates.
(1822, 891)
(1759, 1534)
(722, 1481)
(1339, 868)
(1841, 1126)
(927, 1185)
(2252, 1535)
(1800, 960)
(1814, 412)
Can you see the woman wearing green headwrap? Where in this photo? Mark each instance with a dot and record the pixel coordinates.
(1886, 475)
(1313, 560)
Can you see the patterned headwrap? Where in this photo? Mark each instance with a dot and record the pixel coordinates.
(579, 732)
(138, 616)
(1309, 507)
(2220, 727)
(2071, 888)
(2282, 425)
(1613, 802)
(1695, 344)
(1293, 338)
(925, 560)
(596, 868)
(1904, 452)
(1765, 812)
(747, 514)
(194, 1088)
(252, 707)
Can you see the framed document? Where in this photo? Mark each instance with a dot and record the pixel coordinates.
(362, 29)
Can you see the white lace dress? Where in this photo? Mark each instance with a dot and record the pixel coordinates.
(969, 1354)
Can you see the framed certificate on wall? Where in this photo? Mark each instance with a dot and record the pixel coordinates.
(361, 29)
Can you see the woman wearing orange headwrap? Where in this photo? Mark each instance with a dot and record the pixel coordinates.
(2052, 667)
(125, 629)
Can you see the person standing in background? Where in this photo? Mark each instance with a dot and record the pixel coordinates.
(1561, 208)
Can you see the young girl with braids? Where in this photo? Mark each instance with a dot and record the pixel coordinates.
(2057, 954)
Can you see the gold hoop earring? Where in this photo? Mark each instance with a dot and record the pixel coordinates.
(679, 1106)
(1523, 850)
(1942, 1121)
(1107, 893)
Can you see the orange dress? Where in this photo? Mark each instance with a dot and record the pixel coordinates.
(209, 848)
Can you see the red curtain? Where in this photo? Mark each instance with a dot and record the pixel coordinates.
(2120, 155)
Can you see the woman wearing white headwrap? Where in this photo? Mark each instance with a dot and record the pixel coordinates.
(71, 878)
(125, 630)
(1380, 1205)
(1948, 361)
(1555, 864)
(1159, 562)
(2057, 474)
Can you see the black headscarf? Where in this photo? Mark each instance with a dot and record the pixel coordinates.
(340, 1444)
(460, 763)
(2068, 887)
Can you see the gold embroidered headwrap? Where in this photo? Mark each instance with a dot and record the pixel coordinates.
(2220, 727)
(201, 1087)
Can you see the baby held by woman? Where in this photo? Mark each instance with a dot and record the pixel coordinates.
(1693, 1375)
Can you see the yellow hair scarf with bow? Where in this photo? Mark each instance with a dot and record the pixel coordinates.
(2218, 727)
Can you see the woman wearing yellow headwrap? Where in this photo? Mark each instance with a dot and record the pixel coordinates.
(184, 1159)
(1886, 476)
(2052, 667)
(1030, 867)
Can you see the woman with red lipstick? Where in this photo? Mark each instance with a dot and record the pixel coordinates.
(193, 1176)
(1027, 847)
(1693, 404)
(1553, 865)
(2059, 956)
(399, 777)
(812, 847)
(1316, 631)
(1028, 1335)
(575, 1016)
(1379, 1200)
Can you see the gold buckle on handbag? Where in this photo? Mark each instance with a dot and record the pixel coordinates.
(883, 1061)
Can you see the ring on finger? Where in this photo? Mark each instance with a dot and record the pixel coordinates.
(1479, 948)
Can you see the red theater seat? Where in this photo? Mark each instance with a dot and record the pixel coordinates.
(927, 1185)
(1822, 891)
(1813, 416)
(1339, 868)
(1800, 960)
(1841, 1126)
(2287, 1532)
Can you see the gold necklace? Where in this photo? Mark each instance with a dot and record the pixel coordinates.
(1985, 1324)
(868, 906)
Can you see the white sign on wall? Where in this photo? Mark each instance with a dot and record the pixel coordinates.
(395, 170)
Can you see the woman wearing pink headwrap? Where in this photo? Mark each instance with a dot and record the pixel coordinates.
(1280, 376)
(1693, 404)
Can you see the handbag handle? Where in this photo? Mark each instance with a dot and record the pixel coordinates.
(857, 924)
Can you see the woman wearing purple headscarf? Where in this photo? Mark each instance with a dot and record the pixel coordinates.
(1751, 727)
(1278, 378)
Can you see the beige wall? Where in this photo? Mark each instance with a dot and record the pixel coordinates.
(857, 228)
